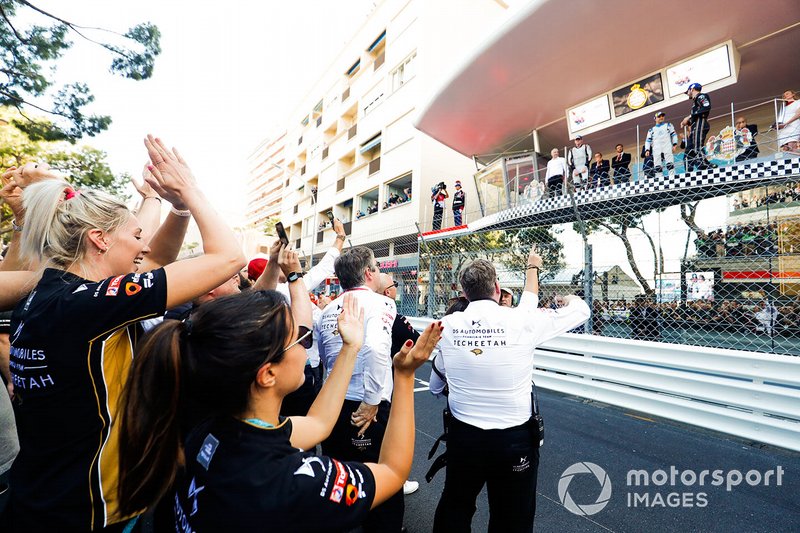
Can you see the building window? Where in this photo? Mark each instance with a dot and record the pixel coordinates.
(346, 94)
(398, 191)
(353, 69)
(325, 152)
(367, 204)
(404, 72)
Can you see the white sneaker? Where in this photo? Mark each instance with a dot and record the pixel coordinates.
(410, 487)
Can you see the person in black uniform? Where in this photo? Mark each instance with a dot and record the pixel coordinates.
(698, 120)
(458, 205)
(73, 337)
(244, 468)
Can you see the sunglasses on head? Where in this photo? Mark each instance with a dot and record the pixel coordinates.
(304, 338)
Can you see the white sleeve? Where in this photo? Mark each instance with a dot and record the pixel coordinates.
(435, 383)
(320, 346)
(376, 351)
(550, 323)
(322, 270)
(528, 301)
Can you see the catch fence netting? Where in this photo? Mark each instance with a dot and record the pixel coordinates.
(705, 255)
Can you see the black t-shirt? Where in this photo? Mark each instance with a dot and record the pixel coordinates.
(240, 477)
(71, 349)
(402, 330)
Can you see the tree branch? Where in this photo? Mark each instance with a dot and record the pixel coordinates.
(16, 33)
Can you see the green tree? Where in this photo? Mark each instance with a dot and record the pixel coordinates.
(27, 52)
(269, 226)
(83, 166)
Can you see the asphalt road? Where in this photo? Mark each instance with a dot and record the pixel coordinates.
(618, 441)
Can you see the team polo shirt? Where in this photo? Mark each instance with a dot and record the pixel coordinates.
(71, 349)
(241, 477)
(371, 382)
(487, 357)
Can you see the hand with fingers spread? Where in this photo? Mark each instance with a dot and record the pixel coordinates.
(170, 176)
(351, 322)
(412, 356)
(288, 260)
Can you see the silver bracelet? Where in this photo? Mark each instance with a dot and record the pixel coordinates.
(180, 212)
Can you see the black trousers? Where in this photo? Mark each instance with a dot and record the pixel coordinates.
(694, 145)
(506, 460)
(299, 402)
(554, 185)
(438, 215)
(344, 444)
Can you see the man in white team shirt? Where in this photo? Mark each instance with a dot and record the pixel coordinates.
(358, 433)
(487, 361)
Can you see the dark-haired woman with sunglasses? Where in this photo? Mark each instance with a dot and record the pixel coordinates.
(201, 425)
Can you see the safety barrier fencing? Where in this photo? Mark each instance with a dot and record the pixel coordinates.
(750, 395)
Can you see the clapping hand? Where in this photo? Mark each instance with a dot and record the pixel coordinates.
(11, 193)
(170, 176)
(351, 322)
(144, 189)
(30, 173)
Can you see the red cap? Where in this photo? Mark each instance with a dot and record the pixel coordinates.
(256, 267)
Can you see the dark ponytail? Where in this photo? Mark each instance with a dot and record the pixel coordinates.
(220, 348)
(150, 443)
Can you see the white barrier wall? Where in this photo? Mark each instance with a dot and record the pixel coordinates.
(751, 395)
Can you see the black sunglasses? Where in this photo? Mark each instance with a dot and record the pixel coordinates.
(304, 338)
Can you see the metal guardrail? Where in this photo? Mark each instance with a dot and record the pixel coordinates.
(754, 396)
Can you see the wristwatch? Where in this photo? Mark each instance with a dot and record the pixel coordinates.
(341, 236)
(294, 276)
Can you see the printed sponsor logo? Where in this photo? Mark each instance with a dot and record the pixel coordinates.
(80, 288)
(351, 495)
(338, 487)
(207, 450)
(132, 288)
(113, 287)
(523, 465)
(306, 469)
(477, 351)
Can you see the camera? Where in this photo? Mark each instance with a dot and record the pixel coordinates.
(439, 187)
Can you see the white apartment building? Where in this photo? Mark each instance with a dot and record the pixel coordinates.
(265, 186)
(351, 144)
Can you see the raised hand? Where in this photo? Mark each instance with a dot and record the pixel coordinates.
(11, 193)
(533, 258)
(288, 260)
(142, 186)
(412, 356)
(351, 322)
(170, 176)
(338, 227)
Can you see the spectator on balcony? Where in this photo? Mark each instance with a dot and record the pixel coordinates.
(661, 141)
(600, 172)
(789, 123)
(647, 163)
(407, 192)
(438, 196)
(458, 204)
(620, 165)
(751, 152)
(556, 173)
(578, 159)
(698, 123)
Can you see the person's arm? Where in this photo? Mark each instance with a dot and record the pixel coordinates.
(323, 270)
(5, 363)
(787, 122)
(552, 323)
(532, 269)
(268, 280)
(149, 212)
(316, 426)
(298, 295)
(341, 236)
(397, 450)
(377, 363)
(172, 178)
(438, 379)
(14, 286)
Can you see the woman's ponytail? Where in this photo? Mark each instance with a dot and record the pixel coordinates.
(151, 448)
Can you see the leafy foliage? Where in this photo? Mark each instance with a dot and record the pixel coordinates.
(25, 62)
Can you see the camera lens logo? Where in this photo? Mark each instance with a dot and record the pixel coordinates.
(590, 508)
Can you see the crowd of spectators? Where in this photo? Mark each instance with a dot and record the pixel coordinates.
(649, 320)
(791, 193)
(740, 240)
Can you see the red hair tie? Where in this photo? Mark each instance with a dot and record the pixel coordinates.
(69, 194)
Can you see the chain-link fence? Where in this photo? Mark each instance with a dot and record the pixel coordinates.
(706, 256)
(703, 257)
